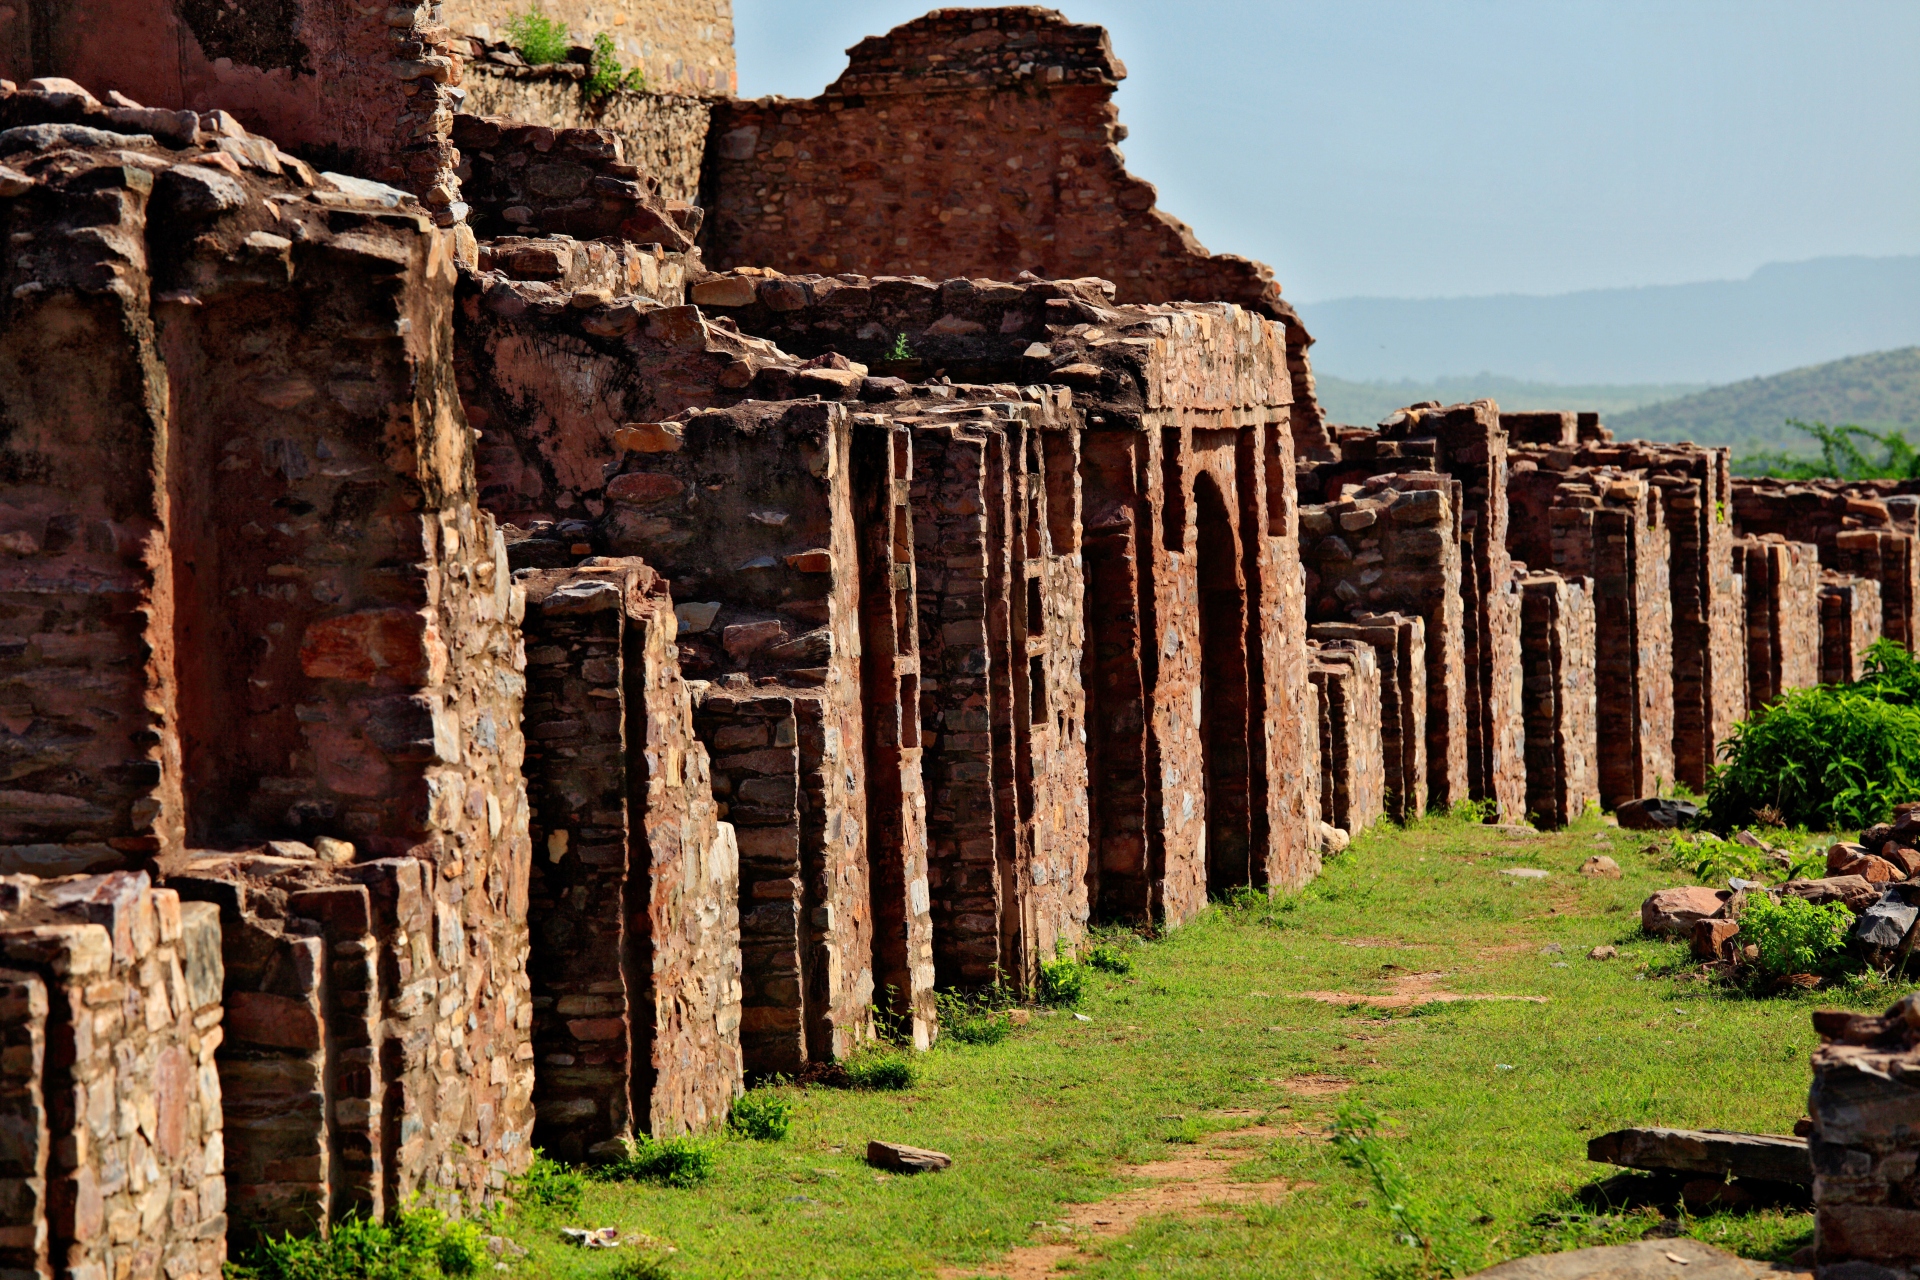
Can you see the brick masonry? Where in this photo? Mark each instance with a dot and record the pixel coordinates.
(680, 46)
(634, 894)
(1557, 655)
(1783, 615)
(1400, 652)
(1346, 678)
(1866, 1115)
(1849, 622)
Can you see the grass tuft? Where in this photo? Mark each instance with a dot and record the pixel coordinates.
(762, 1115)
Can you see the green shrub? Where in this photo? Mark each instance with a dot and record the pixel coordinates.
(539, 39)
(679, 1161)
(1840, 457)
(604, 74)
(879, 1070)
(761, 1114)
(1109, 957)
(419, 1244)
(974, 1019)
(549, 1184)
(1063, 982)
(1793, 935)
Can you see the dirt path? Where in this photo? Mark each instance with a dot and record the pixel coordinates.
(1197, 1182)
(1409, 990)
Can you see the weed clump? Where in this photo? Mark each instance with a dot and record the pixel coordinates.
(1109, 957)
(549, 1184)
(980, 1018)
(604, 74)
(1793, 935)
(762, 1115)
(879, 1070)
(419, 1244)
(538, 38)
(1063, 982)
(679, 1161)
(1832, 757)
(1439, 1231)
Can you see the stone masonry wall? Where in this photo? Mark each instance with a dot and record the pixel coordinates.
(1347, 679)
(110, 1015)
(1390, 544)
(1611, 527)
(1849, 622)
(1783, 615)
(1400, 652)
(369, 90)
(634, 900)
(1557, 653)
(529, 179)
(1865, 1142)
(1854, 528)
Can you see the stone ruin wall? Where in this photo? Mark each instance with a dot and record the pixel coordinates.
(679, 46)
(1018, 613)
(1783, 615)
(1866, 1141)
(1850, 619)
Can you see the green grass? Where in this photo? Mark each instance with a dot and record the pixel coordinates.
(1484, 1108)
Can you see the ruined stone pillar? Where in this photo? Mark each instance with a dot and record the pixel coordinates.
(633, 910)
(1783, 615)
(1557, 653)
(1400, 652)
(1866, 1115)
(1849, 622)
(1347, 679)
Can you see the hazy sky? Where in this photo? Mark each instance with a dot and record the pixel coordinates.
(1424, 148)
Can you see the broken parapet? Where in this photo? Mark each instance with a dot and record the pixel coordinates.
(1351, 775)
(1552, 427)
(1849, 623)
(996, 498)
(864, 177)
(1855, 529)
(1471, 446)
(1557, 657)
(1783, 615)
(1390, 544)
(110, 1015)
(528, 179)
(1709, 663)
(1400, 652)
(1611, 527)
(1167, 394)
(376, 88)
(1866, 1137)
(633, 906)
(751, 512)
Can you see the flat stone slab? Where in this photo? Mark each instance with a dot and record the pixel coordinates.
(1773, 1157)
(1676, 1259)
(904, 1159)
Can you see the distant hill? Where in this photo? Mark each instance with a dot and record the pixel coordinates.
(1880, 391)
(1781, 317)
(1365, 403)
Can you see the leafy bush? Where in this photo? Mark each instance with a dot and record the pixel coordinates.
(1109, 957)
(678, 1162)
(1834, 757)
(549, 1184)
(983, 1018)
(539, 39)
(1439, 1231)
(1063, 982)
(879, 1070)
(761, 1114)
(604, 74)
(420, 1244)
(1840, 457)
(1793, 935)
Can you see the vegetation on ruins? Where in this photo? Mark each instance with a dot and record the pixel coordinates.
(606, 76)
(550, 1184)
(1840, 455)
(761, 1114)
(879, 1068)
(1830, 757)
(538, 38)
(1063, 982)
(418, 1244)
(1240, 1035)
(984, 1017)
(679, 1161)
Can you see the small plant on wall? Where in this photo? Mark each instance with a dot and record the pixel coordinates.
(538, 38)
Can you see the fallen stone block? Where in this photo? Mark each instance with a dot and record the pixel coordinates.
(1885, 924)
(1854, 860)
(1710, 937)
(1856, 892)
(1602, 866)
(1767, 1156)
(1673, 911)
(1654, 813)
(904, 1159)
(1644, 1260)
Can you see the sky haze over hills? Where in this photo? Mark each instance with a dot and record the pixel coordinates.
(1752, 151)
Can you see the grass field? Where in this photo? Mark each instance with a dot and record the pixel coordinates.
(1487, 1105)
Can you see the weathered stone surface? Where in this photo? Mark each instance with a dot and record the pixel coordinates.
(1856, 892)
(1677, 1259)
(1347, 678)
(1866, 1135)
(904, 1159)
(1773, 1157)
(1561, 706)
(1674, 911)
(1656, 813)
(1783, 615)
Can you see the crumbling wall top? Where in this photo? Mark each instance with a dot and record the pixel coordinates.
(981, 48)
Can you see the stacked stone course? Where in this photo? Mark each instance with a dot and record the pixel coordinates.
(1783, 615)
(1346, 678)
(1850, 620)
